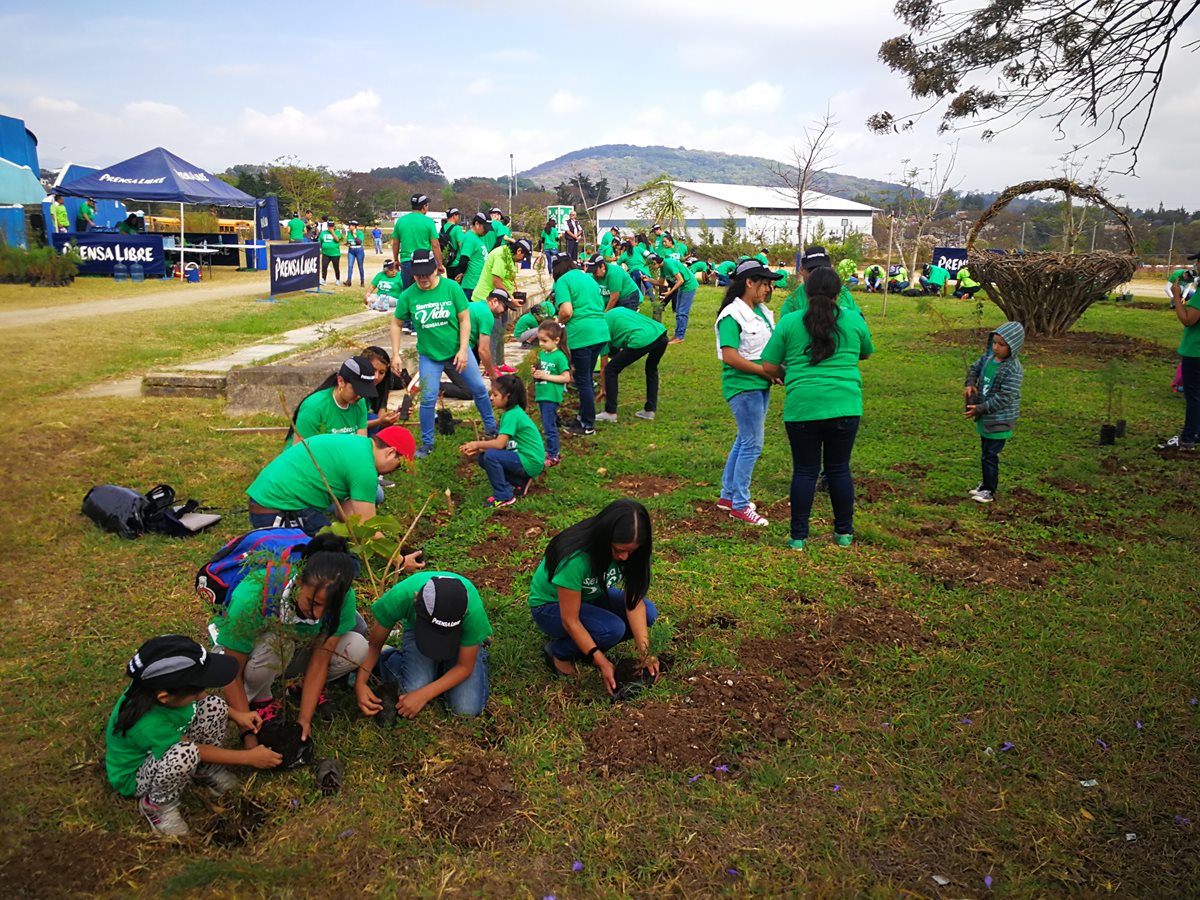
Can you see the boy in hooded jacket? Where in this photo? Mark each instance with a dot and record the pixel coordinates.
(993, 397)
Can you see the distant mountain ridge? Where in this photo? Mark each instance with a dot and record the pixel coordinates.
(626, 166)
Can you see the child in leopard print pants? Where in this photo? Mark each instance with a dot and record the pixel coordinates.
(166, 731)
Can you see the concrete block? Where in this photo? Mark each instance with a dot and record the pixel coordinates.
(179, 384)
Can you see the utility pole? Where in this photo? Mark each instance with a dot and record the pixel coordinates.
(1022, 235)
(512, 184)
(1094, 227)
(1171, 249)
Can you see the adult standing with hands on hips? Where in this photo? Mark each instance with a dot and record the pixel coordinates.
(438, 310)
(573, 235)
(589, 591)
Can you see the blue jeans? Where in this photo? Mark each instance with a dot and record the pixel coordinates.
(607, 623)
(642, 280)
(431, 380)
(990, 462)
(750, 415)
(832, 439)
(413, 670)
(549, 411)
(504, 470)
(378, 245)
(583, 365)
(632, 300)
(352, 254)
(406, 280)
(683, 309)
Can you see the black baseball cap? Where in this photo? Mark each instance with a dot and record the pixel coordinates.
(360, 372)
(389, 264)
(454, 211)
(481, 219)
(502, 295)
(418, 200)
(172, 662)
(495, 209)
(441, 606)
(523, 244)
(654, 257)
(814, 257)
(424, 262)
(596, 259)
(753, 268)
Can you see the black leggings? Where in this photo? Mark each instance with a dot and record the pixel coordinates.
(626, 357)
(337, 267)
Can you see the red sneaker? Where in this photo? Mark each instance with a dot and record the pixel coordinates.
(727, 505)
(506, 370)
(747, 515)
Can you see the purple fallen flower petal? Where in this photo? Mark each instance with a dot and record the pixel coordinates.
(987, 882)
(733, 873)
(837, 787)
(1139, 725)
(965, 721)
(550, 897)
(695, 778)
(1182, 820)
(1194, 701)
(723, 769)
(577, 866)
(295, 803)
(886, 725)
(346, 833)
(1103, 746)
(1006, 746)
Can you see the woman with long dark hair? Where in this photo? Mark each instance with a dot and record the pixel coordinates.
(744, 325)
(589, 591)
(336, 405)
(817, 353)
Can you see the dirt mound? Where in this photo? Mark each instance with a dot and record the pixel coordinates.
(70, 863)
(984, 562)
(912, 469)
(872, 490)
(688, 732)
(1091, 344)
(487, 563)
(469, 800)
(647, 485)
(708, 520)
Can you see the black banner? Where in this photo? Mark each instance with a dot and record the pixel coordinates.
(295, 267)
(950, 258)
(101, 251)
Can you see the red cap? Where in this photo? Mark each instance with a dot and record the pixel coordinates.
(399, 439)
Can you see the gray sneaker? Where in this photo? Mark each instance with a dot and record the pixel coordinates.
(423, 451)
(217, 779)
(165, 818)
(645, 414)
(975, 490)
(606, 417)
(983, 497)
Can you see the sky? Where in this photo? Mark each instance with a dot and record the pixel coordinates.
(468, 83)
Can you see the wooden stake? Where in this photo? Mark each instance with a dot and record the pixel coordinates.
(888, 271)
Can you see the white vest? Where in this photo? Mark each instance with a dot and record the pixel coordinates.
(755, 331)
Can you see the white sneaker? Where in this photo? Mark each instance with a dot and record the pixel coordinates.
(606, 417)
(165, 819)
(975, 490)
(645, 414)
(983, 497)
(216, 778)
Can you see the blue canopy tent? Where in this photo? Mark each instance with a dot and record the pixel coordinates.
(161, 176)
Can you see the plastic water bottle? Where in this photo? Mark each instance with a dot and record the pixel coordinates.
(120, 272)
(137, 272)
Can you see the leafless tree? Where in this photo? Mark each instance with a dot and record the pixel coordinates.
(995, 63)
(923, 194)
(810, 162)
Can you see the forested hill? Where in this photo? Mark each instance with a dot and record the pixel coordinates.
(627, 166)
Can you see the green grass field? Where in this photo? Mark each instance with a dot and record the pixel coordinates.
(834, 723)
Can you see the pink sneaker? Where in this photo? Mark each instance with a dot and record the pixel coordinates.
(747, 515)
(727, 505)
(506, 370)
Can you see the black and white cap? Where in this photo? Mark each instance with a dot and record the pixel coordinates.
(753, 268)
(523, 244)
(495, 210)
(418, 200)
(441, 606)
(424, 262)
(814, 258)
(172, 662)
(360, 372)
(453, 211)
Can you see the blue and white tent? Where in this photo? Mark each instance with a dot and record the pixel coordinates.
(157, 175)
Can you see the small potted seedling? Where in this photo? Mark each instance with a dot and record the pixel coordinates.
(1108, 431)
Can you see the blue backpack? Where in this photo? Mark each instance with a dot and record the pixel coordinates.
(216, 579)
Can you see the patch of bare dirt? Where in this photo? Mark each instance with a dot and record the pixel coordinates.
(68, 864)
(911, 469)
(982, 561)
(647, 485)
(486, 564)
(872, 490)
(471, 799)
(708, 520)
(1093, 345)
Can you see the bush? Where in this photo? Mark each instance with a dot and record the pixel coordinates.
(40, 266)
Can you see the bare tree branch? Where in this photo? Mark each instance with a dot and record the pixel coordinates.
(810, 164)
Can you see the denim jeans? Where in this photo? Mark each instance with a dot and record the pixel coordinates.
(431, 379)
(583, 365)
(626, 357)
(310, 521)
(831, 440)
(353, 254)
(632, 300)
(750, 415)
(498, 339)
(683, 309)
(642, 280)
(378, 245)
(549, 411)
(504, 470)
(406, 280)
(1190, 370)
(413, 670)
(607, 623)
(990, 462)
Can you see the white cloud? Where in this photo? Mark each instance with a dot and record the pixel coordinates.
(756, 98)
(151, 108)
(480, 86)
(564, 102)
(363, 102)
(54, 105)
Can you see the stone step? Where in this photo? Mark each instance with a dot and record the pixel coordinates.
(206, 385)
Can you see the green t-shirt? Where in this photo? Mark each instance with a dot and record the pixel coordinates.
(673, 267)
(398, 605)
(434, 313)
(320, 414)
(831, 389)
(964, 278)
(499, 263)
(901, 274)
(846, 269)
(415, 231)
(495, 237)
(606, 245)
(550, 239)
(355, 237)
(523, 324)
(698, 267)
(58, 212)
(159, 729)
(291, 482)
(616, 282)
(390, 285)
(1185, 274)
(483, 320)
(676, 253)
(985, 384)
(470, 248)
(798, 301)
(296, 228)
(553, 363)
(762, 258)
(575, 574)
(735, 381)
(124, 227)
(635, 260)
(250, 614)
(726, 268)
(86, 214)
(587, 326)
(630, 329)
(937, 275)
(329, 243)
(1189, 344)
(525, 438)
(781, 281)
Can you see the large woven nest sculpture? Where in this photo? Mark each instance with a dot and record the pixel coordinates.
(1048, 292)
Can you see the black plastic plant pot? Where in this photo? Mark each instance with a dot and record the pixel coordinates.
(388, 694)
(1120, 428)
(1108, 435)
(284, 739)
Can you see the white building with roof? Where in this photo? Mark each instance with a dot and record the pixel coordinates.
(760, 212)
